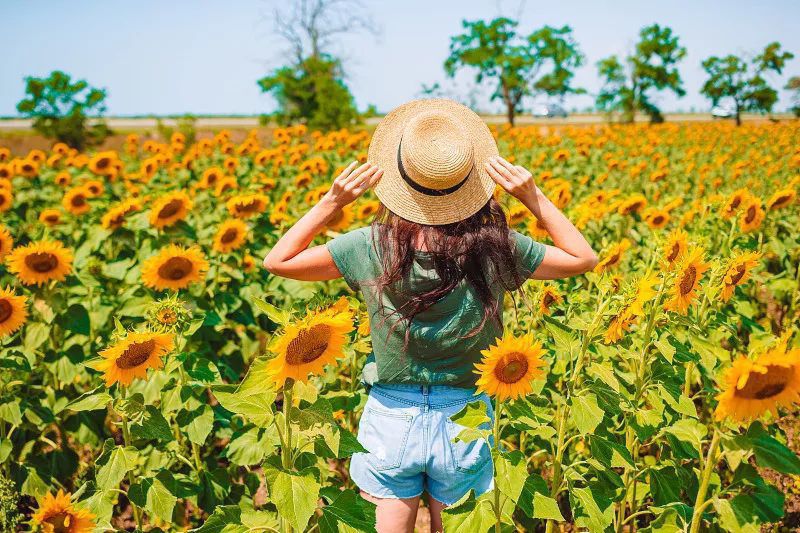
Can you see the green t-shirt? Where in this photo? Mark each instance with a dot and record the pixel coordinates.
(437, 353)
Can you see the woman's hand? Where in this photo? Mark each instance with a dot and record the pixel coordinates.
(516, 180)
(352, 183)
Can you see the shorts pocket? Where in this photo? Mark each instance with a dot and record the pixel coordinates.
(384, 434)
(469, 457)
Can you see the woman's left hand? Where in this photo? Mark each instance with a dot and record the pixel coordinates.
(353, 182)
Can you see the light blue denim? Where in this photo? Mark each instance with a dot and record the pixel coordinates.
(409, 435)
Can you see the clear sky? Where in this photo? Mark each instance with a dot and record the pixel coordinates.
(204, 56)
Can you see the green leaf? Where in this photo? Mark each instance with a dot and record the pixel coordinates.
(279, 316)
(10, 412)
(248, 446)
(6, 447)
(546, 508)
(469, 515)
(737, 514)
(770, 452)
(233, 519)
(153, 425)
(76, 319)
(350, 510)
(90, 401)
(198, 423)
(318, 413)
(294, 494)
(156, 495)
(255, 406)
(585, 413)
(533, 484)
(114, 464)
(610, 453)
(688, 431)
(35, 334)
(665, 485)
(511, 473)
(473, 415)
(588, 513)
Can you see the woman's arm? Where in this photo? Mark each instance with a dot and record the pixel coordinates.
(572, 254)
(291, 257)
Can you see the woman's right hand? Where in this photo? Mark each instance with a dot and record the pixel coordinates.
(352, 183)
(514, 179)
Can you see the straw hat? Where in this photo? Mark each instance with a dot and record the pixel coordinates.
(432, 153)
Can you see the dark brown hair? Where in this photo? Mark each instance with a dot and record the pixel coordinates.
(478, 249)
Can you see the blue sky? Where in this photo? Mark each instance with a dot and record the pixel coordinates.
(203, 56)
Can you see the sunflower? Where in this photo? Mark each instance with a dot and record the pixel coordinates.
(225, 184)
(76, 201)
(57, 514)
(174, 268)
(676, 245)
(6, 242)
(509, 367)
(230, 236)
(39, 262)
(738, 272)
(750, 388)
(306, 346)
(613, 256)
(690, 270)
(367, 209)
(536, 229)
(752, 216)
(169, 209)
(103, 163)
(548, 298)
(632, 204)
(632, 308)
(115, 217)
(248, 263)
(13, 312)
(94, 188)
(781, 199)
(341, 220)
(63, 179)
(734, 202)
(6, 199)
(657, 218)
(517, 214)
(247, 205)
(50, 217)
(131, 356)
(210, 177)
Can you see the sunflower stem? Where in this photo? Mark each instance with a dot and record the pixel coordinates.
(710, 463)
(126, 437)
(498, 405)
(286, 448)
(556, 482)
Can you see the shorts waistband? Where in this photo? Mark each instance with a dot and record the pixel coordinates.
(433, 395)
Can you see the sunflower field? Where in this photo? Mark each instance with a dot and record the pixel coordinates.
(154, 377)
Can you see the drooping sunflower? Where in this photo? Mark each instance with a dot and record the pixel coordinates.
(231, 236)
(57, 514)
(781, 199)
(632, 204)
(40, 261)
(739, 271)
(509, 367)
(613, 256)
(169, 209)
(548, 298)
(341, 220)
(750, 388)
(76, 201)
(690, 270)
(115, 217)
(50, 217)
(752, 216)
(174, 267)
(13, 312)
(676, 245)
(632, 308)
(6, 243)
(6, 200)
(131, 356)
(247, 205)
(306, 346)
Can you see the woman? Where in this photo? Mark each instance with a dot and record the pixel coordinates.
(433, 269)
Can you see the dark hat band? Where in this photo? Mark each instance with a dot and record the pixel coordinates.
(426, 190)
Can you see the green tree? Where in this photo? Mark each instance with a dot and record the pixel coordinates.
(743, 82)
(793, 85)
(542, 62)
(60, 109)
(628, 87)
(313, 91)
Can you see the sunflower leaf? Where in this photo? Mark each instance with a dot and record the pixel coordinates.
(92, 400)
(279, 316)
(472, 416)
(115, 462)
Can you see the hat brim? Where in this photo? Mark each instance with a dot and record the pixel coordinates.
(403, 200)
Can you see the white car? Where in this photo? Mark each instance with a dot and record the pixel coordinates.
(548, 111)
(723, 111)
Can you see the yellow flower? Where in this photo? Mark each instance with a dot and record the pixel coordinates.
(174, 268)
(39, 262)
(548, 298)
(247, 205)
(132, 355)
(50, 217)
(632, 204)
(230, 236)
(306, 346)
(690, 271)
(13, 312)
(781, 199)
(341, 220)
(751, 388)
(76, 201)
(632, 309)
(169, 209)
(115, 217)
(509, 367)
(6, 200)
(6, 243)
(676, 245)
(656, 218)
(752, 216)
(613, 256)
(738, 272)
(57, 514)
(367, 209)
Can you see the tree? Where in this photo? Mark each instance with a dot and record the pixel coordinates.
(742, 82)
(793, 85)
(628, 87)
(542, 62)
(60, 109)
(312, 91)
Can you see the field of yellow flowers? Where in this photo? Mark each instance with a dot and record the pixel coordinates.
(153, 376)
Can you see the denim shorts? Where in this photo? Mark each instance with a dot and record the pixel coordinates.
(409, 435)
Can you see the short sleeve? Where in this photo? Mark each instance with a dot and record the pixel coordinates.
(528, 254)
(351, 253)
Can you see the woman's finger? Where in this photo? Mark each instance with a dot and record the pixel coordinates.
(497, 177)
(353, 184)
(366, 184)
(502, 170)
(508, 166)
(347, 170)
(355, 173)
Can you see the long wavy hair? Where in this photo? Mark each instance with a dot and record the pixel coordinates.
(477, 249)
